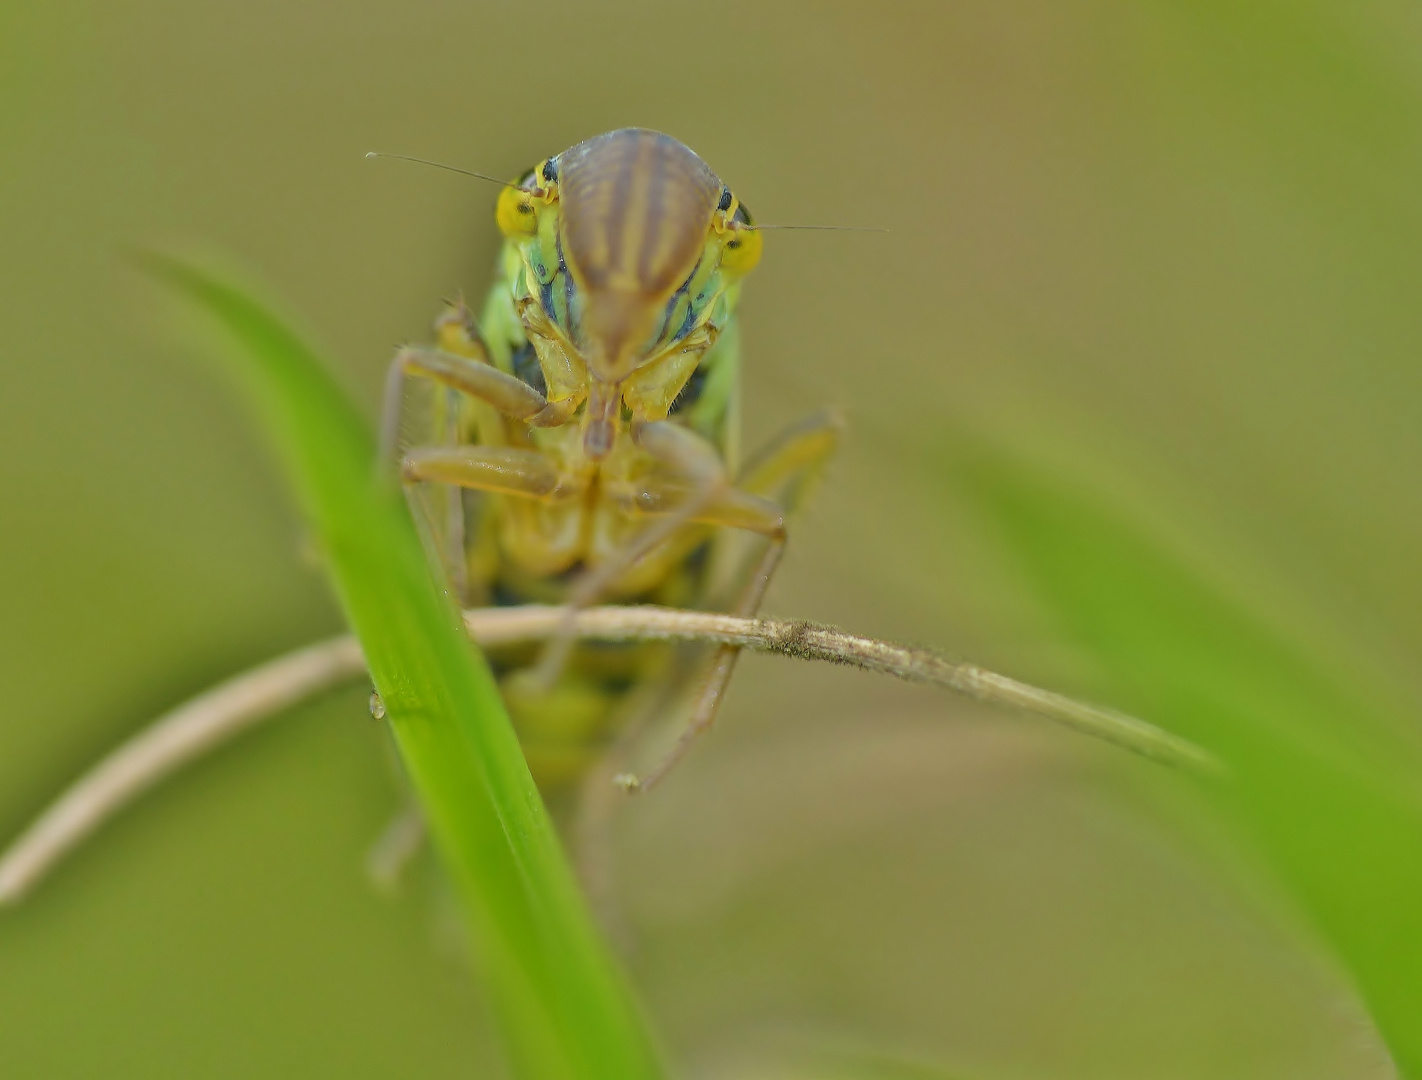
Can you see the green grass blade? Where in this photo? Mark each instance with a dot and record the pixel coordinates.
(563, 1004)
(1321, 780)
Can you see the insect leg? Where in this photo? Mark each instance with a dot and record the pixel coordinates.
(509, 470)
(788, 463)
(475, 377)
(723, 663)
(536, 481)
(459, 367)
(784, 471)
(792, 458)
(693, 459)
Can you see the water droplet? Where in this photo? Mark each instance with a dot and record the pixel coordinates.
(377, 707)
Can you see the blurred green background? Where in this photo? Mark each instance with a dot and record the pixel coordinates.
(1133, 387)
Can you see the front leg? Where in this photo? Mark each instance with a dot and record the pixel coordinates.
(541, 518)
(477, 378)
(785, 468)
(461, 367)
(697, 463)
(505, 470)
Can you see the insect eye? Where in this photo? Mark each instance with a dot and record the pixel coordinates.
(725, 203)
(515, 213)
(741, 252)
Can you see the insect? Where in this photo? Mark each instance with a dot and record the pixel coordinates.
(578, 441)
(580, 436)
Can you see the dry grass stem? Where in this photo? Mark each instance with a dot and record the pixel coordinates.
(170, 742)
(215, 716)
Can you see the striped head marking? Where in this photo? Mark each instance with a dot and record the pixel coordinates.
(636, 207)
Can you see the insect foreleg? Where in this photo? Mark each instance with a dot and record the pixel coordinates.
(476, 377)
(536, 481)
(783, 469)
(723, 663)
(699, 465)
(788, 463)
(505, 469)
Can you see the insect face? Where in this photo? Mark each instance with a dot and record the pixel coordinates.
(632, 248)
(591, 438)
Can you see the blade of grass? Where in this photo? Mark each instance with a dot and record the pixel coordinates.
(562, 1002)
(1319, 778)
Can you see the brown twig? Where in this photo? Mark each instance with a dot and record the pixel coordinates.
(213, 717)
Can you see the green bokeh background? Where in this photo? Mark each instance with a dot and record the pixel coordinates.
(1153, 265)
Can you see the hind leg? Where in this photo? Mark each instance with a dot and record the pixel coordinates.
(785, 468)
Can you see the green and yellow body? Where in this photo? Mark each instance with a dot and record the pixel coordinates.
(584, 427)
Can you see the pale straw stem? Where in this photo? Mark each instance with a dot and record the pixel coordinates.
(206, 721)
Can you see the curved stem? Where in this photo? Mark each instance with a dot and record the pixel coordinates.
(206, 721)
(170, 742)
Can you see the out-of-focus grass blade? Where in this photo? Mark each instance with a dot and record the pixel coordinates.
(1319, 779)
(561, 1000)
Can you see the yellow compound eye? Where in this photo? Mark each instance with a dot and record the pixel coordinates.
(741, 252)
(516, 213)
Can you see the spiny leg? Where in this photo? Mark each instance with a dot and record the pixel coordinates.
(438, 509)
(439, 506)
(509, 470)
(475, 377)
(782, 468)
(783, 471)
(438, 513)
(718, 676)
(541, 522)
(790, 460)
(459, 367)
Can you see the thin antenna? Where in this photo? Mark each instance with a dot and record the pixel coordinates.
(820, 228)
(441, 165)
(509, 184)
